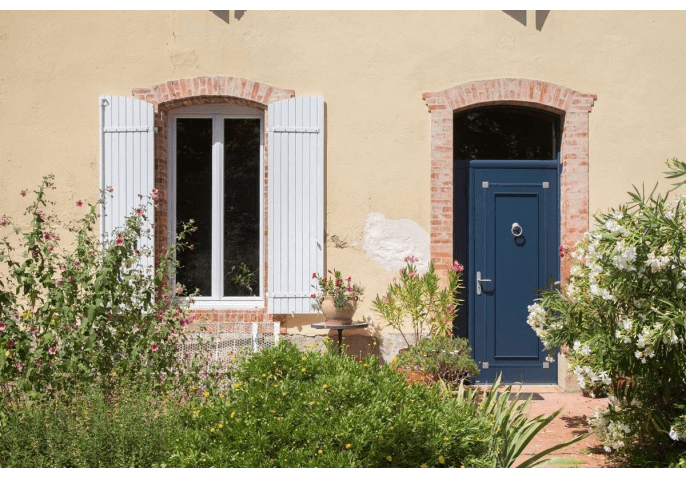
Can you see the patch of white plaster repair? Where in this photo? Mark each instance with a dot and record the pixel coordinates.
(389, 241)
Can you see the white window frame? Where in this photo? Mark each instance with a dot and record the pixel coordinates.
(218, 113)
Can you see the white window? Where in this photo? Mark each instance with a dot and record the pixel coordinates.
(216, 176)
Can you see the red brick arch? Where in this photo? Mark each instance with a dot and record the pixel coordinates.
(206, 90)
(572, 106)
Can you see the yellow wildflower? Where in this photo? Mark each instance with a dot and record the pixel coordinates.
(424, 465)
(478, 439)
(320, 452)
(276, 385)
(348, 446)
(304, 358)
(264, 374)
(212, 430)
(237, 385)
(233, 414)
(283, 393)
(206, 394)
(446, 438)
(462, 466)
(8, 353)
(325, 386)
(303, 369)
(273, 411)
(222, 396)
(389, 458)
(441, 460)
(366, 365)
(221, 425)
(491, 415)
(311, 403)
(380, 437)
(390, 428)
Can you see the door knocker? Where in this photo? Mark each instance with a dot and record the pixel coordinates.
(516, 229)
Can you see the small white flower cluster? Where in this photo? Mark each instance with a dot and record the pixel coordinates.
(583, 373)
(657, 262)
(584, 350)
(612, 226)
(612, 433)
(625, 255)
(673, 434)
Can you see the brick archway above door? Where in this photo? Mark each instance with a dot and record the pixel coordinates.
(572, 106)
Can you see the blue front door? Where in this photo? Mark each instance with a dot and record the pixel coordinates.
(513, 255)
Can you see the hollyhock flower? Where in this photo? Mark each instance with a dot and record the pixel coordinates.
(314, 296)
(2, 326)
(314, 275)
(457, 267)
(120, 240)
(23, 192)
(52, 350)
(79, 203)
(154, 190)
(154, 347)
(349, 279)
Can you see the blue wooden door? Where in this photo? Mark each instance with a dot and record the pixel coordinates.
(514, 254)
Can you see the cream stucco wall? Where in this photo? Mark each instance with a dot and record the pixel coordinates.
(370, 67)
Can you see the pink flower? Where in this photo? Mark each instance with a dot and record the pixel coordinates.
(41, 215)
(137, 252)
(10, 344)
(349, 279)
(59, 282)
(77, 264)
(20, 366)
(63, 267)
(52, 350)
(338, 282)
(191, 246)
(70, 279)
(3, 221)
(39, 361)
(51, 247)
(57, 236)
(34, 330)
(411, 259)
(154, 347)
(314, 296)
(2, 325)
(139, 211)
(23, 192)
(314, 275)
(79, 203)
(110, 189)
(384, 298)
(457, 267)
(120, 240)
(154, 190)
(178, 289)
(562, 254)
(137, 328)
(412, 274)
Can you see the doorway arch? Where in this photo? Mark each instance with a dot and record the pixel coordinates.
(572, 106)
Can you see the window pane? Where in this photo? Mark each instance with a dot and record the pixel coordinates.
(241, 207)
(194, 201)
(506, 133)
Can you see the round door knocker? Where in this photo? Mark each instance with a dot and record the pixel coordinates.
(516, 230)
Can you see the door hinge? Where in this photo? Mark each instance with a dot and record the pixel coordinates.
(484, 365)
(546, 185)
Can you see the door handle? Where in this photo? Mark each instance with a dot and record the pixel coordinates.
(479, 280)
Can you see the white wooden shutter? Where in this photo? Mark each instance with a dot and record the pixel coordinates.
(127, 163)
(296, 203)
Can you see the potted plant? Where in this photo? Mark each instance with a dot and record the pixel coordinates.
(337, 297)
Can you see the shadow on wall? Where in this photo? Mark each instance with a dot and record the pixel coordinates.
(226, 14)
(520, 16)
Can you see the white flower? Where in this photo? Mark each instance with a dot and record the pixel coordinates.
(549, 359)
(617, 215)
(607, 449)
(673, 434)
(586, 350)
(577, 345)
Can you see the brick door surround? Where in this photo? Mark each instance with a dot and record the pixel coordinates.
(207, 90)
(573, 108)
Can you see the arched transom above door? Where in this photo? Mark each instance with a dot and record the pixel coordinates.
(573, 108)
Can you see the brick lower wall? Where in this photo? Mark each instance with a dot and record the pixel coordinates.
(207, 90)
(572, 106)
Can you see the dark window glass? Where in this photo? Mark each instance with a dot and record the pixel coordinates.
(506, 133)
(241, 207)
(194, 201)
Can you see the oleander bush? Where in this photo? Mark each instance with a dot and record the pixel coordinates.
(293, 409)
(622, 314)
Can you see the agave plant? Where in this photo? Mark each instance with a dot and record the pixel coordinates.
(513, 429)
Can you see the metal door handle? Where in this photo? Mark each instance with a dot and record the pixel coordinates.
(479, 280)
(516, 229)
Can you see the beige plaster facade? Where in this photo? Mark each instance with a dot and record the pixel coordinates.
(373, 70)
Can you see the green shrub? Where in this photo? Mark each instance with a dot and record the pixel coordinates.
(88, 313)
(92, 427)
(449, 358)
(622, 314)
(293, 409)
(419, 298)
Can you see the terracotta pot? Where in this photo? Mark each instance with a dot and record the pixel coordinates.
(337, 317)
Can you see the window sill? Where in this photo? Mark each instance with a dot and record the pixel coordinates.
(238, 304)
